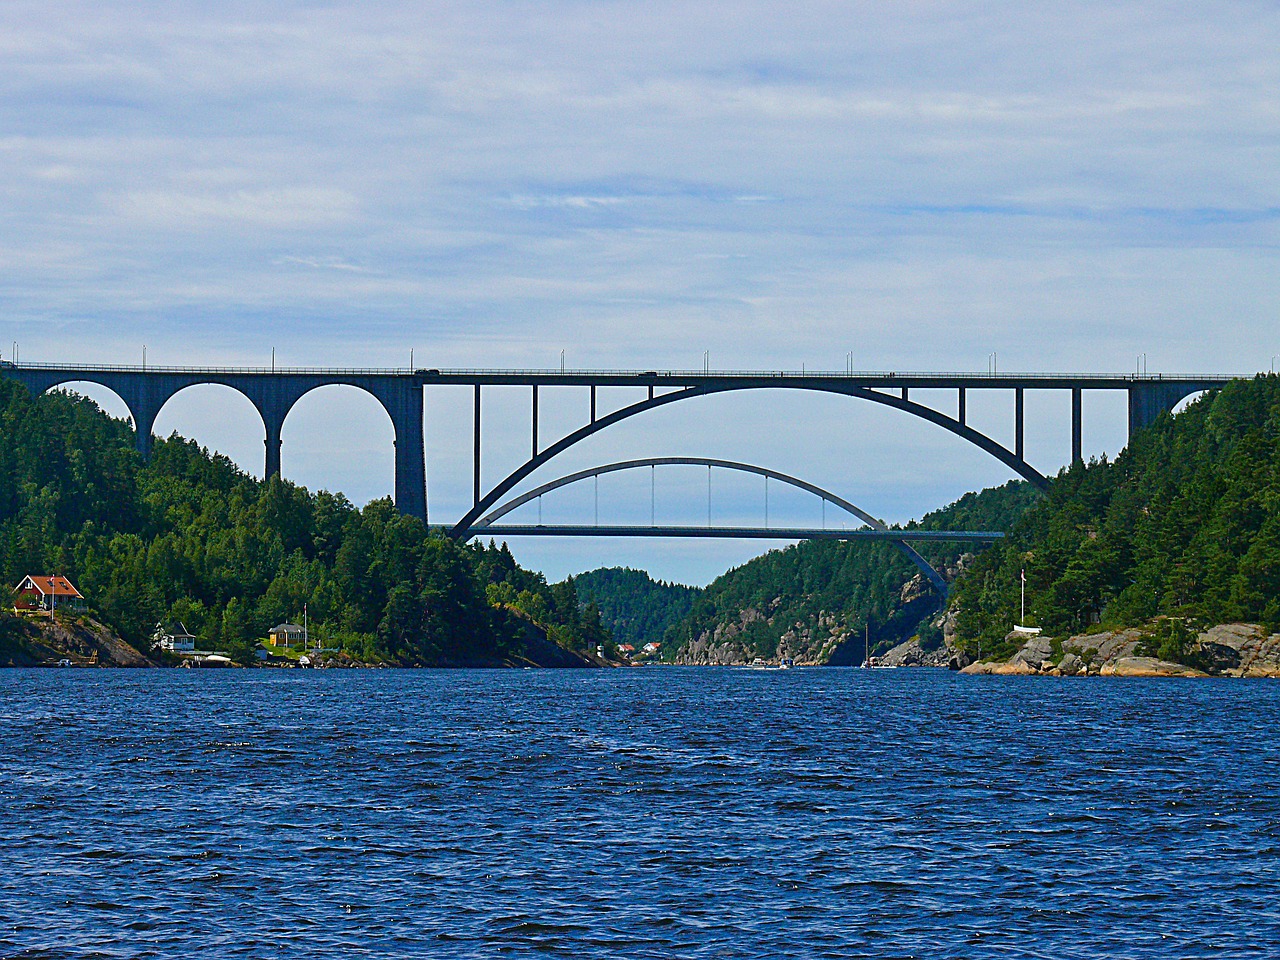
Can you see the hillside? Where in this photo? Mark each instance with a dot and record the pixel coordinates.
(1180, 532)
(188, 536)
(814, 601)
(636, 608)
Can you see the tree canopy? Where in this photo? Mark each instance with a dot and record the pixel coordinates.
(188, 536)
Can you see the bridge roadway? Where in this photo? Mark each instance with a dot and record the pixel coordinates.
(732, 533)
(273, 392)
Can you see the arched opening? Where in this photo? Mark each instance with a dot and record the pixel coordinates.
(1187, 401)
(107, 400)
(340, 438)
(217, 417)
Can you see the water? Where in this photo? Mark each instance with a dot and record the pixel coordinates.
(642, 813)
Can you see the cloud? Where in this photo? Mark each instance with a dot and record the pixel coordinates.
(288, 208)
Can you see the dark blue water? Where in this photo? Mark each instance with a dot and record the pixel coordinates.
(643, 813)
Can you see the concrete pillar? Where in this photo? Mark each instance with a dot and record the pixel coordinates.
(1077, 417)
(403, 400)
(1019, 422)
(144, 395)
(274, 427)
(475, 469)
(1148, 400)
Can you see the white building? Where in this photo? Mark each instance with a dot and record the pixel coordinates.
(174, 637)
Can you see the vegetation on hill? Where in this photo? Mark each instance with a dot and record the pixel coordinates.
(1184, 524)
(817, 598)
(188, 536)
(636, 608)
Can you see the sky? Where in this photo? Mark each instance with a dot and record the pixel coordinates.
(922, 185)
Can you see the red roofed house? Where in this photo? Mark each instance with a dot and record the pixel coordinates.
(36, 593)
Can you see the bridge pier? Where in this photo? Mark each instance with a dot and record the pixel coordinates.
(1148, 400)
(1077, 418)
(1019, 422)
(272, 442)
(403, 401)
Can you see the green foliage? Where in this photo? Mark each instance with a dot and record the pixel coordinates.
(1185, 523)
(188, 536)
(637, 609)
(841, 588)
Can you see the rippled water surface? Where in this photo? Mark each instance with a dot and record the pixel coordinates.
(642, 813)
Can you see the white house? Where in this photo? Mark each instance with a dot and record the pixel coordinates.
(174, 637)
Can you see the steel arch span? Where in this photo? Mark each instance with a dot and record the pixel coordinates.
(486, 502)
(926, 568)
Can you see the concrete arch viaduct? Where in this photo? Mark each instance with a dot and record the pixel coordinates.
(273, 392)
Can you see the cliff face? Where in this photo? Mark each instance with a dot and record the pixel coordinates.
(816, 601)
(825, 637)
(38, 642)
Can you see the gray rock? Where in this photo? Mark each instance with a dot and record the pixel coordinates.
(1071, 665)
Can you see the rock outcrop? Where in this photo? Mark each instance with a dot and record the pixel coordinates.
(37, 641)
(1230, 649)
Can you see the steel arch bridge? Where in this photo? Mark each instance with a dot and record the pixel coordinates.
(488, 523)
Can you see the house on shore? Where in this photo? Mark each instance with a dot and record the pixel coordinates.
(174, 637)
(37, 593)
(286, 635)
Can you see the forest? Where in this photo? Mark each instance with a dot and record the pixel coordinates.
(189, 536)
(831, 596)
(1183, 525)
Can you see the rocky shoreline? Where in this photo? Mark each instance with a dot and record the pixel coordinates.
(1225, 650)
(84, 642)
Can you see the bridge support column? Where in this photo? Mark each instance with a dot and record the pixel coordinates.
(475, 467)
(411, 461)
(1077, 448)
(960, 405)
(1019, 422)
(144, 401)
(1148, 400)
(535, 420)
(272, 441)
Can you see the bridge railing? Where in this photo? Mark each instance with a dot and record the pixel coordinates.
(450, 372)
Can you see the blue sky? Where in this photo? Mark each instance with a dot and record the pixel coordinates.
(488, 184)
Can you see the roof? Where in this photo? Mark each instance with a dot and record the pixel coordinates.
(174, 629)
(57, 585)
(288, 627)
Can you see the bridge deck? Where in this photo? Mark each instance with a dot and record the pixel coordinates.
(733, 533)
(660, 378)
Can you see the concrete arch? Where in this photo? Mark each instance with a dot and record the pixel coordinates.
(369, 418)
(70, 387)
(354, 384)
(1003, 454)
(924, 566)
(226, 442)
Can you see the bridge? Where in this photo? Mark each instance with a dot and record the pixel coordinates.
(144, 390)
